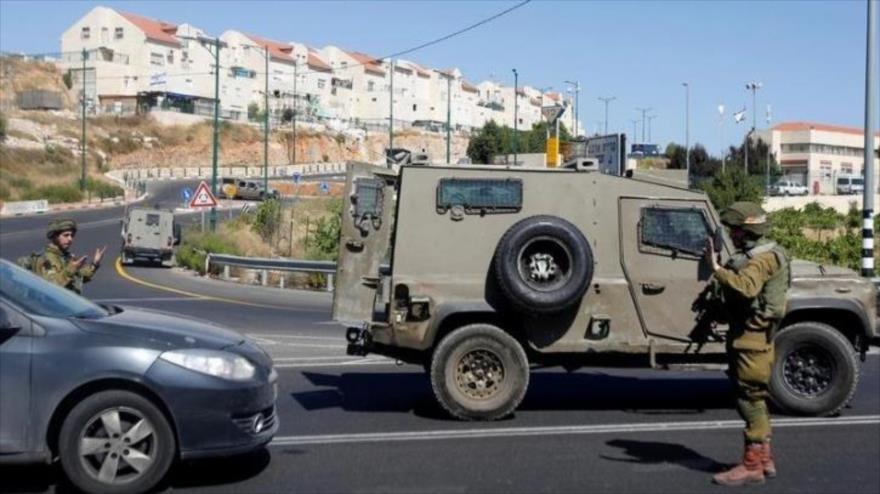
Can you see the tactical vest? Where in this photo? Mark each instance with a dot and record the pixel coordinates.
(770, 303)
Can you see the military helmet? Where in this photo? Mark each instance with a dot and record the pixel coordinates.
(60, 226)
(746, 215)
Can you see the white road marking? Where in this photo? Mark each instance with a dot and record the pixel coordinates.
(295, 336)
(153, 299)
(373, 437)
(351, 363)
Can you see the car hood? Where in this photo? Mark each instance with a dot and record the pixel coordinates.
(809, 269)
(166, 330)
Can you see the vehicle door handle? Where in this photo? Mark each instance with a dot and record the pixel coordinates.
(652, 288)
(355, 245)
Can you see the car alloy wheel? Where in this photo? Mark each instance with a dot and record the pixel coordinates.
(117, 445)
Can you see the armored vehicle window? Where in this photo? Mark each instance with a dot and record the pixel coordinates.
(368, 197)
(682, 230)
(152, 220)
(480, 195)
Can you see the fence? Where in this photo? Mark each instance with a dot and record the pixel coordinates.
(264, 265)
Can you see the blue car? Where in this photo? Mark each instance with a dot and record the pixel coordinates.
(117, 394)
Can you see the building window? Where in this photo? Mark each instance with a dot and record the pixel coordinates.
(374, 100)
(846, 168)
(170, 57)
(371, 86)
(157, 59)
(118, 33)
(105, 35)
(321, 83)
(415, 107)
(85, 33)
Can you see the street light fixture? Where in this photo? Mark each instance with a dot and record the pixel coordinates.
(753, 87)
(217, 44)
(576, 87)
(607, 100)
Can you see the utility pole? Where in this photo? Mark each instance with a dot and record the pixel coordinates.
(721, 127)
(753, 87)
(295, 77)
(870, 108)
(448, 115)
(650, 117)
(82, 180)
(644, 119)
(265, 125)
(216, 146)
(515, 113)
(607, 100)
(767, 160)
(635, 122)
(575, 116)
(687, 131)
(391, 117)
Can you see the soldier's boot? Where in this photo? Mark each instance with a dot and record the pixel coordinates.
(767, 460)
(750, 471)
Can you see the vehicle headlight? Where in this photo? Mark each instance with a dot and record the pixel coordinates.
(213, 363)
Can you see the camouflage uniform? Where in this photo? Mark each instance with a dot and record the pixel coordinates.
(754, 286)
(56, 265)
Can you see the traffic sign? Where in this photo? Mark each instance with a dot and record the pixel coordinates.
(186, 193)
(551, 113)
(297, 177)
(203, 198)
(325, 187)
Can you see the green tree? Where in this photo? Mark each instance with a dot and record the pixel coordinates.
(253, 111)
(732, 185)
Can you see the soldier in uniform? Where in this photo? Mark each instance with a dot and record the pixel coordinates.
(58, 265)
(753, 286)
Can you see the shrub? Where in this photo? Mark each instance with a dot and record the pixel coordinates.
(68, 80)
(57, 193)
(102, 189)
(267, 218)
(195, 246)
(733, 185)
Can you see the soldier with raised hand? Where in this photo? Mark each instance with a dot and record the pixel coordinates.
(754, 286)
(58, 265)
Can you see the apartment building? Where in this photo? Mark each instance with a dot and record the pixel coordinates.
(133, 62)
(815, 154)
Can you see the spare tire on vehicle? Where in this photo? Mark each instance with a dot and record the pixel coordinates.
(543, 264)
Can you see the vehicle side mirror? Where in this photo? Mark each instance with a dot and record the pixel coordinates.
(6, 325)
(718, 239)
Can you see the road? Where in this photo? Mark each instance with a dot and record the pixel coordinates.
(368, 425)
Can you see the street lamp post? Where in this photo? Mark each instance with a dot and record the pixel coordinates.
(687, 130)
(644, 119)
(391, 115)
(767, 162)
(575, 115)
(448, 115)
(266, 126)
(753, 87)
(295, 77)
(635, 122)
(650, 118)
(607, 100)
(82, 181)
(515, 113)
(870, 108)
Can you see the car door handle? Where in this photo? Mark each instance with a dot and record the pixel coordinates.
(652, 288)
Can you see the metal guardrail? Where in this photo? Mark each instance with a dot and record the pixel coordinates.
(279, 264)
(272, 264)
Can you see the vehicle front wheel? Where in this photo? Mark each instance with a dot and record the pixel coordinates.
(479, 372)
(815, 372)
(116, 442)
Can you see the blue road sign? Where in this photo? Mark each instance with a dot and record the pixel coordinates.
(186, 193)
(325, 187)
(297, 177)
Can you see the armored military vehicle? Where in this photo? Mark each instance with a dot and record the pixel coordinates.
(149, 234)
(479, 273)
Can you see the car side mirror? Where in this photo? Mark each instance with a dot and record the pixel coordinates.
(6, 325)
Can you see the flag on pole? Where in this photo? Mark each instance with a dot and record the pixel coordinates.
(740, 115)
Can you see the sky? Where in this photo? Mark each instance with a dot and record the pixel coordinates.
(809, 56)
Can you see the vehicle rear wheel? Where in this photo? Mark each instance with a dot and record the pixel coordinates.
(116, 442)
(815, 372)
(543, 264)
(479, 372)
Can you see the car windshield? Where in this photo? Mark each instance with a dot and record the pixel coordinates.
(42, 298)
(842, 181)
(858, 181)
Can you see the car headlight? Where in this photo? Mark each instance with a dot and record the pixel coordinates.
(213, 363)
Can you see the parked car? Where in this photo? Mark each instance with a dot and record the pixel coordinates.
(149, 234)
(850, 184)
(116, 394)
(789, 188)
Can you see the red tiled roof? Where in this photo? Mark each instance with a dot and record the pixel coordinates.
(467, 86)
(277, 50)
(370, 64)
(403, 68)
(317, 62)
(160, 31)
(421, 71)
(795, 126)
(553, 96)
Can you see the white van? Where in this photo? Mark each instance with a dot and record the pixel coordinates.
(850, 184)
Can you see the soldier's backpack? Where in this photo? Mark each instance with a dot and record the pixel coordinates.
(30, 261)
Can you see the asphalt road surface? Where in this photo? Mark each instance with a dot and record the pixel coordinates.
(368, 425)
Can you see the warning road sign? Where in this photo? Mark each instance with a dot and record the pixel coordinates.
(551, 113)
(203, 198)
